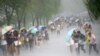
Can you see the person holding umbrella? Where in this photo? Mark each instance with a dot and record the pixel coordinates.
(33, 30)
(10, 40)
(81, 40)
(69, 39)
(3, 43)
(58, 29)
(92, 43)
(75, 38)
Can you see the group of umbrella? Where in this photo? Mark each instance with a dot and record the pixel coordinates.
(12, 40)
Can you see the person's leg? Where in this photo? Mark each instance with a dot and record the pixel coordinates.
(79, 48)
(4, 50)
(38, 42)
(95, 48)
(43, 38)
(76, 49)
(83, 49)
(71, 48)
(58, 32)
(35, 40)
(17, 51)
(7, 50)
(90, 48)
(31, 44)
(26, 44)
(13, 49)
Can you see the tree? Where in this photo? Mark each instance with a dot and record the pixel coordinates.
(20, 8)
(7, 10)
(17, 10)
(10, 7)
(44, 9)
(93, 7)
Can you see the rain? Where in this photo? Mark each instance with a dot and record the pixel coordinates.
(48, 28)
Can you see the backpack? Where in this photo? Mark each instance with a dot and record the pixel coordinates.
(82, 37)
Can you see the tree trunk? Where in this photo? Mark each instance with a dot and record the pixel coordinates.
(47, 21)
(44, 21)
(91, 16)
(37, 21)
(24, 21)
(19, 24)
(18, 20)
(40, 23)
(7, 16)
(33, 19)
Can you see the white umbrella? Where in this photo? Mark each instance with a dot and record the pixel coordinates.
(50, 22)
(76, 20)
(6, 29)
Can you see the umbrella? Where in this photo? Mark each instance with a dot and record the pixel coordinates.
(76, 20)
(50, 23)
(69, 34)
(57, 18)
(43, 28)
(69, 40)
(3, 31)
(22, 28)
(40, 28)
(6, 29)
(33, 29)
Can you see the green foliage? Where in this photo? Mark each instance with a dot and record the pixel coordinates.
(45, 8)
(38, 8)
(94, 7)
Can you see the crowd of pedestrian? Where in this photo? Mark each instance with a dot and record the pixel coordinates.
(83, 40)
(12, 40)
(57, 26)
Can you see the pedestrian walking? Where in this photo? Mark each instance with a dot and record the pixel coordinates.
(75, 38)
(81, 40)
(47, 35)
(92, 43)
(31, 38)
(3, 45)
(69, 39)
(10, 43)
(16, 42)
(58, 29)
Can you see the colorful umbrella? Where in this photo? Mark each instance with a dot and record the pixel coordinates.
(68, 38)
(33, 29)
(69, 34)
